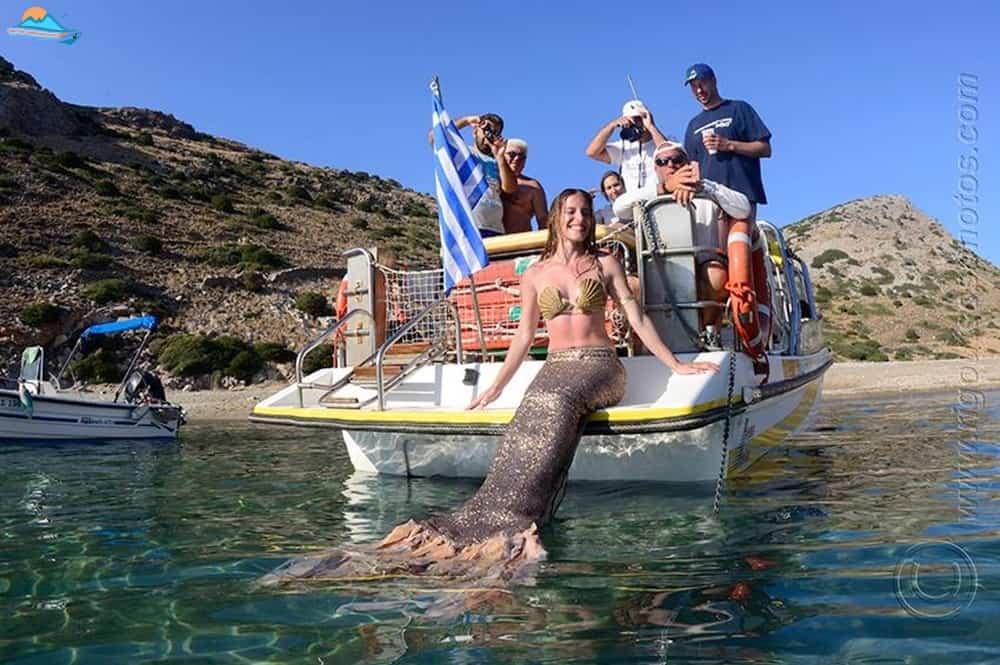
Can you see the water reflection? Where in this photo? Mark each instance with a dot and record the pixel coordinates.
(125, 553)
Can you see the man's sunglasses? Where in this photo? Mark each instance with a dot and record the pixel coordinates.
(679, 160)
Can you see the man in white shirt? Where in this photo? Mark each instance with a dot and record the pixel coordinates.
(677, 176)
(632, 154)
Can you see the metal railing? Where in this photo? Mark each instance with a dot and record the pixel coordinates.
(424, 357)
(316, 342)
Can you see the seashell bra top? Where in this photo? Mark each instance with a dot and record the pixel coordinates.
(590, 297)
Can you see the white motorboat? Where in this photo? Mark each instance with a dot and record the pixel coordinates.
(33, 408)
(407, 364)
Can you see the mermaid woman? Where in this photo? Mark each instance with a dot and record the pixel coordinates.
(494, 534)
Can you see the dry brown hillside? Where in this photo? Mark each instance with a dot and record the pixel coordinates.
(115, 211)
(134, 210)
(894, 284)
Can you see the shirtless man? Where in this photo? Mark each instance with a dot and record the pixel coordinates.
(528, 199)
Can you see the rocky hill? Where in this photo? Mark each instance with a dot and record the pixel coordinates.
(892, 283)
(116, 211)
(123, 210)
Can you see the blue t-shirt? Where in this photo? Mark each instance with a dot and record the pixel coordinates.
(738, 121)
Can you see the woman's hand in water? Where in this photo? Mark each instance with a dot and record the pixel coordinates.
(696, 368)
(489, 395)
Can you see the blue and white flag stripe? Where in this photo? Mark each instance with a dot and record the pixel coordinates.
(459, 184)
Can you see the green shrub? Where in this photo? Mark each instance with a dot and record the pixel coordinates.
(318, 358)
(867, 349)
(222, 203)
(911, 335)
(220, 257)
(244, 365)
(170, 192)
(252, 281)
(70, 160)
(417, 209)
(828, 256)
(884, 276)
(142, 215)
(359, 223)
(903, 354)
(274, 352)
(951, 338)
(869, 290)
(96, 367)
(47, 261)
(313, 303)
(265, 220)
(106, 290)
(88, 260)
(298, 192)
(148, 244)
(8, 184)
(90, 241)
(145, 138)
(255, 257)
(107, 188)
(194, 355)
(40, 314)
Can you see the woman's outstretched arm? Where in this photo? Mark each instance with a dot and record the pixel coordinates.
(643, 325)
(519, 346)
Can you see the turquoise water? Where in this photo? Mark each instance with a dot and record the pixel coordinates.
(875, 540)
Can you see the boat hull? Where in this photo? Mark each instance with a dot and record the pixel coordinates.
(682, 442)
(57, 418)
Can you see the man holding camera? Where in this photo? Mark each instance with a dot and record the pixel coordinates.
(488, 147)
(632, 154)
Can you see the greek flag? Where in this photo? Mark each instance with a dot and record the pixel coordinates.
(460, 183)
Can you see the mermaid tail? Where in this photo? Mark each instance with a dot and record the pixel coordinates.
(494, 535)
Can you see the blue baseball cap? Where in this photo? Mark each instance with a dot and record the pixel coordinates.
(698, 71)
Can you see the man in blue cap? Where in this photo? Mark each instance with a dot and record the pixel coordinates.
(727, 139)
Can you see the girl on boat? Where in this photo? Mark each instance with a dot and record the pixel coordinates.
(495, 533)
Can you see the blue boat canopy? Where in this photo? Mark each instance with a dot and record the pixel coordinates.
(136, 323)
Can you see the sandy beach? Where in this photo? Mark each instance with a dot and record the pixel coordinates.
(843, 380)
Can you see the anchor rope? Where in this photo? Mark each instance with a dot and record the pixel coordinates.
(725, 433)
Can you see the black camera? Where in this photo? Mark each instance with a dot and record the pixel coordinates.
(632, 132)
(489, 133)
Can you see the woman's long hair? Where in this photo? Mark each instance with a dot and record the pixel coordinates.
(556, 224)
(608, 174)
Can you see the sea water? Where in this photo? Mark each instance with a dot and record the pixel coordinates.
(871, 538)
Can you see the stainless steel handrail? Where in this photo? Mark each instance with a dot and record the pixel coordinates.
(380, 356)
(331, 329)
(795, 324)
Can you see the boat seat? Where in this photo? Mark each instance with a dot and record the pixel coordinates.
(32, 369)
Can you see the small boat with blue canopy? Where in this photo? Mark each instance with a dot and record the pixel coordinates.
(33, 407)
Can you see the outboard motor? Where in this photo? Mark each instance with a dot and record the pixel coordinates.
(143, 386)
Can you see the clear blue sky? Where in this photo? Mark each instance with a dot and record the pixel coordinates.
(862, 97)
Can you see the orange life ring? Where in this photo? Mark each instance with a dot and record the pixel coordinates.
(749, 292)
(340, 308)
